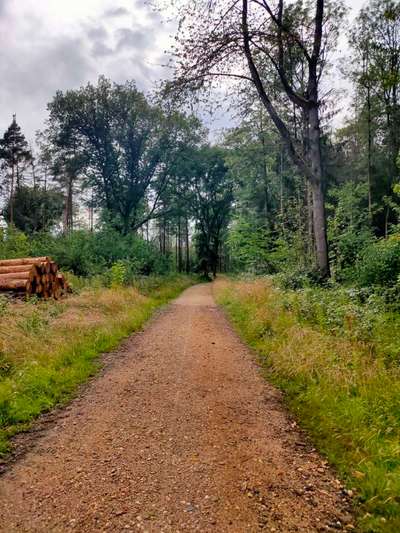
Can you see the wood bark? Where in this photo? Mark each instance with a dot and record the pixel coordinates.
(318, 200)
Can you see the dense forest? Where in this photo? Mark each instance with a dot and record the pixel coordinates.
(295, 204)
(122, 175)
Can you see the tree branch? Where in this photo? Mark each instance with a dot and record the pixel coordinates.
(280, 125)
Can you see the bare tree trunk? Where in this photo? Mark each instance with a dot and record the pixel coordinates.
(318, 200)
(68, 208)
(187, 246)
(369, 119)
(265, 166)
(12, 194)
(281, 207)
(33, 172)
(310, 224)
(164, 238)
(176, 253)
(180, 255)
(18, 178)
(91, 214)
(312, 169)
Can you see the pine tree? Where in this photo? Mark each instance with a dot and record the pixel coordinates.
(14, 155)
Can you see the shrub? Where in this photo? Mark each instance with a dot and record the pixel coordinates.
(88, 254)
(118, 274)
(379, 265)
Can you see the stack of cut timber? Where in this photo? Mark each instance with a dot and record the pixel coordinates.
(32, 275)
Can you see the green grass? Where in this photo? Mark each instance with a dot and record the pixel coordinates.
(49, 348)
(342, 383)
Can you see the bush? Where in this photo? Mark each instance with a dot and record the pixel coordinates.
(89, 254)
(379, 265)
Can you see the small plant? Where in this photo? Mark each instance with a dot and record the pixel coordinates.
(3, 305)
(118, 273)
(33, 323)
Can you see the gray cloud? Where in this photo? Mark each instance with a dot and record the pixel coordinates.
(100, 49)
(3, 6)
(98, 37)
(50, 52)
(116, 12)
(31, 82)
(137, 38)
(97, 33)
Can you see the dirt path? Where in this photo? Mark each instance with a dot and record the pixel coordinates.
(180, 433)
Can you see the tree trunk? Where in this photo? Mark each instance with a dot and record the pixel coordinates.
(187, 246)
(68, 208)
(310, 233)
(12, 195)
(318, 200)
(179, 242)
(281, 204)
(369, 119)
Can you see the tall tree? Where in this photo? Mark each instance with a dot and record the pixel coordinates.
(15, 155)
(375, 39)
(124, 145)
(35, 208)
(245, 40)
(210, 195)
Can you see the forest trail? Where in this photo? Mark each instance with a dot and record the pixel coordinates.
(179, 433)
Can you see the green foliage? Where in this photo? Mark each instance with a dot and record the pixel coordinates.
(210, 196)
(3, 304)
(35, 209)
(14, 243)
(379, 264)
(87, 253)
(118, 274)
(349, 230)
(14, 152)
(249, 246)
(124, 145)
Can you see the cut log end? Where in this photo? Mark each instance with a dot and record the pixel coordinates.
(33, 276)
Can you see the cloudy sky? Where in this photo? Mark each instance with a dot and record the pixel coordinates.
(47, 45)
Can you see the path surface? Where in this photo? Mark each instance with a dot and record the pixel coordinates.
(179, 433)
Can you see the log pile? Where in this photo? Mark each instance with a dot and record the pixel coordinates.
(32, 276)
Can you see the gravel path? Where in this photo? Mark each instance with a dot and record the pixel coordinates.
(179, 433)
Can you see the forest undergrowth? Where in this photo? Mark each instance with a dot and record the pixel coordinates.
(336, 359)
(48, 348)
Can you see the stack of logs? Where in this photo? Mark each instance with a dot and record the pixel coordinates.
(32, 276)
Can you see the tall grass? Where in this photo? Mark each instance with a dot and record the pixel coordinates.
(343, 386)
(48, 348)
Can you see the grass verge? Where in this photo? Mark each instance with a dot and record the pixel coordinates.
(48, 348)
(343, 391)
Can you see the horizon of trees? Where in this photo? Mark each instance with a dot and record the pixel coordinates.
(281, 191)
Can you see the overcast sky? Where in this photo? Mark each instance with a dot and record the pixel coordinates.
(47, 45)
